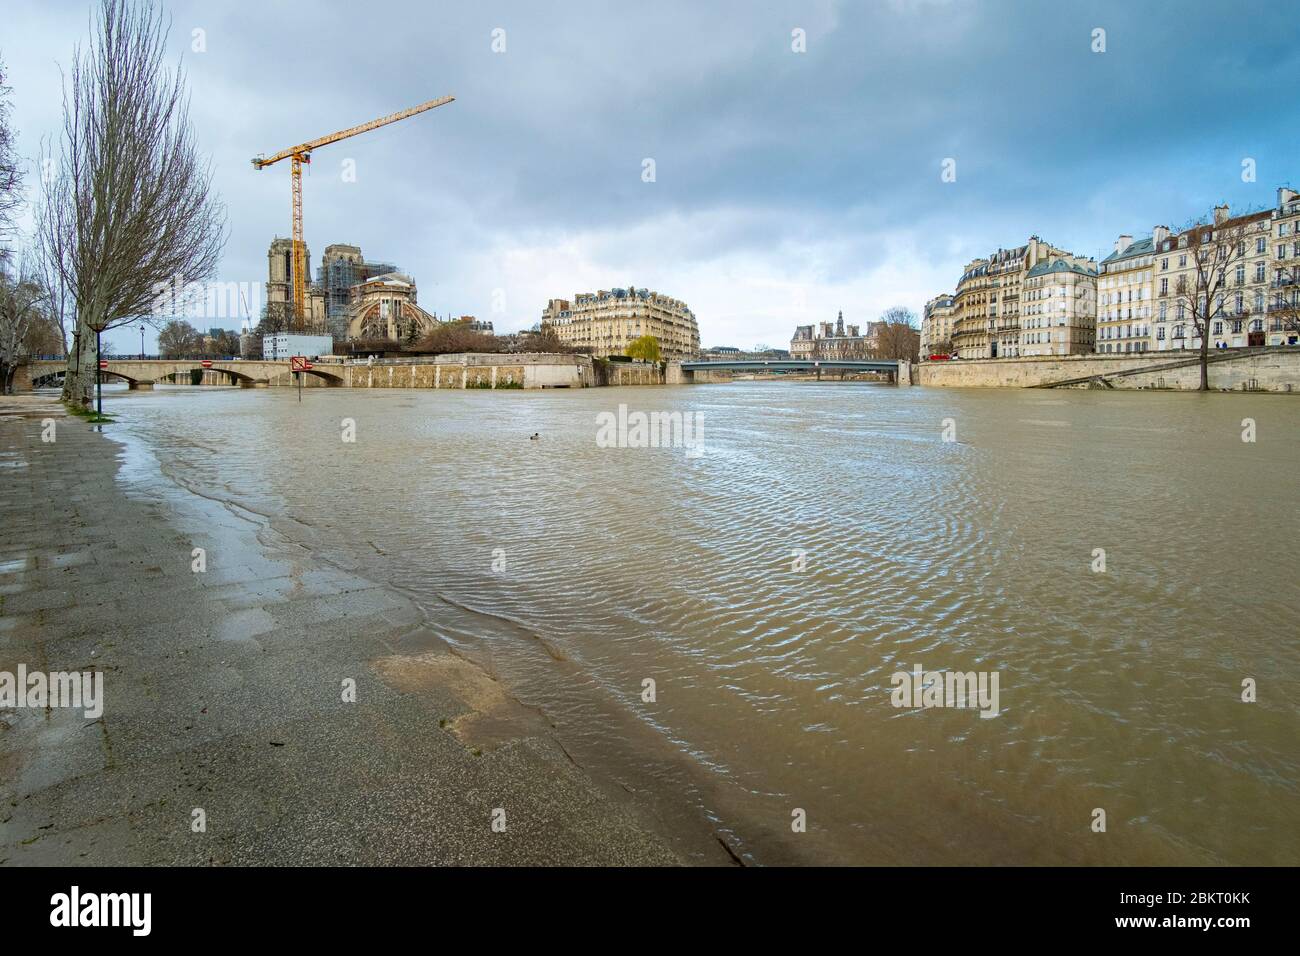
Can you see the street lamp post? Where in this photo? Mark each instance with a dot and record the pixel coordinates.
(141, 341)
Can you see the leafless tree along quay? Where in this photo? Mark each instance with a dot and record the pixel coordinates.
(11, 173)
(128, 205)
(898, 337)
(1213, 249)
(24, 320)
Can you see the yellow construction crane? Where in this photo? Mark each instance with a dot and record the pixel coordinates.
(302, 154)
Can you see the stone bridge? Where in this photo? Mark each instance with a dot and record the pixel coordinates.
(143, 373)
(899, 372)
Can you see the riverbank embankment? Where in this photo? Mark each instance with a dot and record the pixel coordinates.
(258, 706)
(1275, 369)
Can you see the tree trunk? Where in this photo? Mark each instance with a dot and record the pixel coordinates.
(79, 380)
(1205, 360)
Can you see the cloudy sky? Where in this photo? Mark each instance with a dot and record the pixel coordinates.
(787, 185)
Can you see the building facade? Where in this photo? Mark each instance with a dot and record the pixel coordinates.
(279, 288)
(834, 340)
(342, 267)
(1040, 300)
(803, 343)
(1241, 306)
(1283, 325)
(936, 326)
(1059, 307)
(285, 345)
(607, 322)
(328, 305)
(385, 307)
(987, 302)
(1126, 295)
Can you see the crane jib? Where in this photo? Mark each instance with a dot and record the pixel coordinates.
(302, 154)
(308, 146)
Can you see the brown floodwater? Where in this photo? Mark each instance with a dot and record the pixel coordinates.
(825, 538)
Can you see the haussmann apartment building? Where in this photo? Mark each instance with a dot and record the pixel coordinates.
(607, 322)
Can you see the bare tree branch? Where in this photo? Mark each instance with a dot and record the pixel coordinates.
(897, 336)
(128, 210)
(11, 173)
(22, 315)
(1200, 294)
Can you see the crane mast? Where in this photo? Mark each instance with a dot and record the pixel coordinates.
(300, 154)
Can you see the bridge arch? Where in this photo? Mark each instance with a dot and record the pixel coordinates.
(49, 379)
(330, 378)
(189, 368)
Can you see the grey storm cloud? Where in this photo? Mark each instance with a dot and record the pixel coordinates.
(822, 158)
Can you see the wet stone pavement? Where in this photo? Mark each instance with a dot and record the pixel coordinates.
(223, 692)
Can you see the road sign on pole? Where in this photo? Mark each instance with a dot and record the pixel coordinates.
(298, 364)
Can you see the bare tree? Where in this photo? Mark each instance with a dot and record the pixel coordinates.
(1286, 298)
(49, 253)
(1200, 292)
(11, 173)
(543, 339)
(128, 208)
(22, 302)
(897, 336)
(448, 338)
(178, 339)
(222, 343)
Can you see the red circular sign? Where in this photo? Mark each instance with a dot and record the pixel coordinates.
(103, 363)
(207, 364)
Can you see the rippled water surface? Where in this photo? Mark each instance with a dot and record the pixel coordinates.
(1118, 690)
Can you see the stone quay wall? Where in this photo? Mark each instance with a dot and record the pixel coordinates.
(1265, 370)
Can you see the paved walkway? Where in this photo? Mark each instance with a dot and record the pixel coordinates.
(223, 691)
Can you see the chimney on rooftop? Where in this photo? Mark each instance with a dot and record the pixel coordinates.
(1123, 242)
(1159, 234)
(1220, 214)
